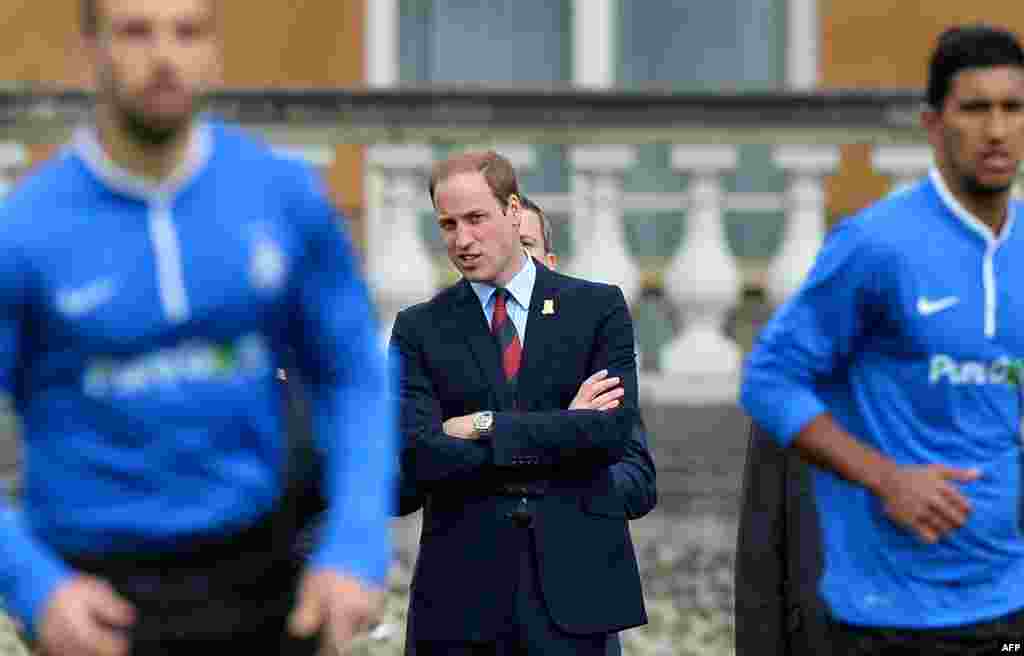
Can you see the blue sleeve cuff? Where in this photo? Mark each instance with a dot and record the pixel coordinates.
(363, 554)
(782, 408)
(29, 603)
(31, 575)
(802, 407)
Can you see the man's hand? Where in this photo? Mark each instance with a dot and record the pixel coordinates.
(461, 427)
(86, 617)
(338, 605)
(924, 500)
(598, 393)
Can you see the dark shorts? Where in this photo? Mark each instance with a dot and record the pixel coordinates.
(236, 589)
(978, 639)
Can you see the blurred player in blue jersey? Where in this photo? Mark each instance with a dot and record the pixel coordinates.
(892, 368)
(151, 278)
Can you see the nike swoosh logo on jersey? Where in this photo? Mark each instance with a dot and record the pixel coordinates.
(928, 306)
(82, 300)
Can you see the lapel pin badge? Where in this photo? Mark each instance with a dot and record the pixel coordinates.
(549, 306)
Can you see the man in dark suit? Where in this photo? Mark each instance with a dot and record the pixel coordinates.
(778, 556)
(525, 547)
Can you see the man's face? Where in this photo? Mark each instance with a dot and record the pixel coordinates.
(153, 59)
(531, 236)
(978, 136)
(482, 238)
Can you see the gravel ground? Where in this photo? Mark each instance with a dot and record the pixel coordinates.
(9, 643)
(686, 563)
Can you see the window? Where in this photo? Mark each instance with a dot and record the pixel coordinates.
(525, 41)
(702, 45)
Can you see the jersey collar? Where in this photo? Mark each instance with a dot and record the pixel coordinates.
(973, 223)
(86, 144)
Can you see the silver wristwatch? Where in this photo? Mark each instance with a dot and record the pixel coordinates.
(483, 422)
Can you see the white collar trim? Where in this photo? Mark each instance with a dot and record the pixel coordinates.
(86, 144)
(966, 217)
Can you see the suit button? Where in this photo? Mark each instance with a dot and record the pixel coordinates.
(795, 618)
(521, 517)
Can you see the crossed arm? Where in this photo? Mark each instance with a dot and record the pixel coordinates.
(633, 476)
(601, 428)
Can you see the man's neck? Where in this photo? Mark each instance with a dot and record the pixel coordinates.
(505, 281)
(151, 162)
(990, 209)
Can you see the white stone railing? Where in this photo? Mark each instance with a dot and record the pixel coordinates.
(703, 279)
(13, 156)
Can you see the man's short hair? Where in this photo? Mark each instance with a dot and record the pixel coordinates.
(969, 46)
(497, 171)
(545, 225)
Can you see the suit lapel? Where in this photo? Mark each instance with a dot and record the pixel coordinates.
(541, 327)
(473, 324)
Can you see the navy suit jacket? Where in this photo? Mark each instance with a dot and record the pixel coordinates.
(467, 566)
(778, 556)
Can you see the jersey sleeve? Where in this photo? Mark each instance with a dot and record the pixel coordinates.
(814, 332)
(29, 572)
(351, 391)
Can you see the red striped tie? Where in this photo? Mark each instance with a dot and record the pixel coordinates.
(508, 339)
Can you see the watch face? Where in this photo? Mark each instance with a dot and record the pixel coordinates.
(483, 421)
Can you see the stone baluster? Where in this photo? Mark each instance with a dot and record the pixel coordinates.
(13, 156)
(599, 237)
(806, 168)
(903, 164)
(400, 269)
(703, 279)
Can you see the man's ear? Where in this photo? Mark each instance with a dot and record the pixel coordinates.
(551, 260)
(931, 121)
(216, 75)
(86, 58)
